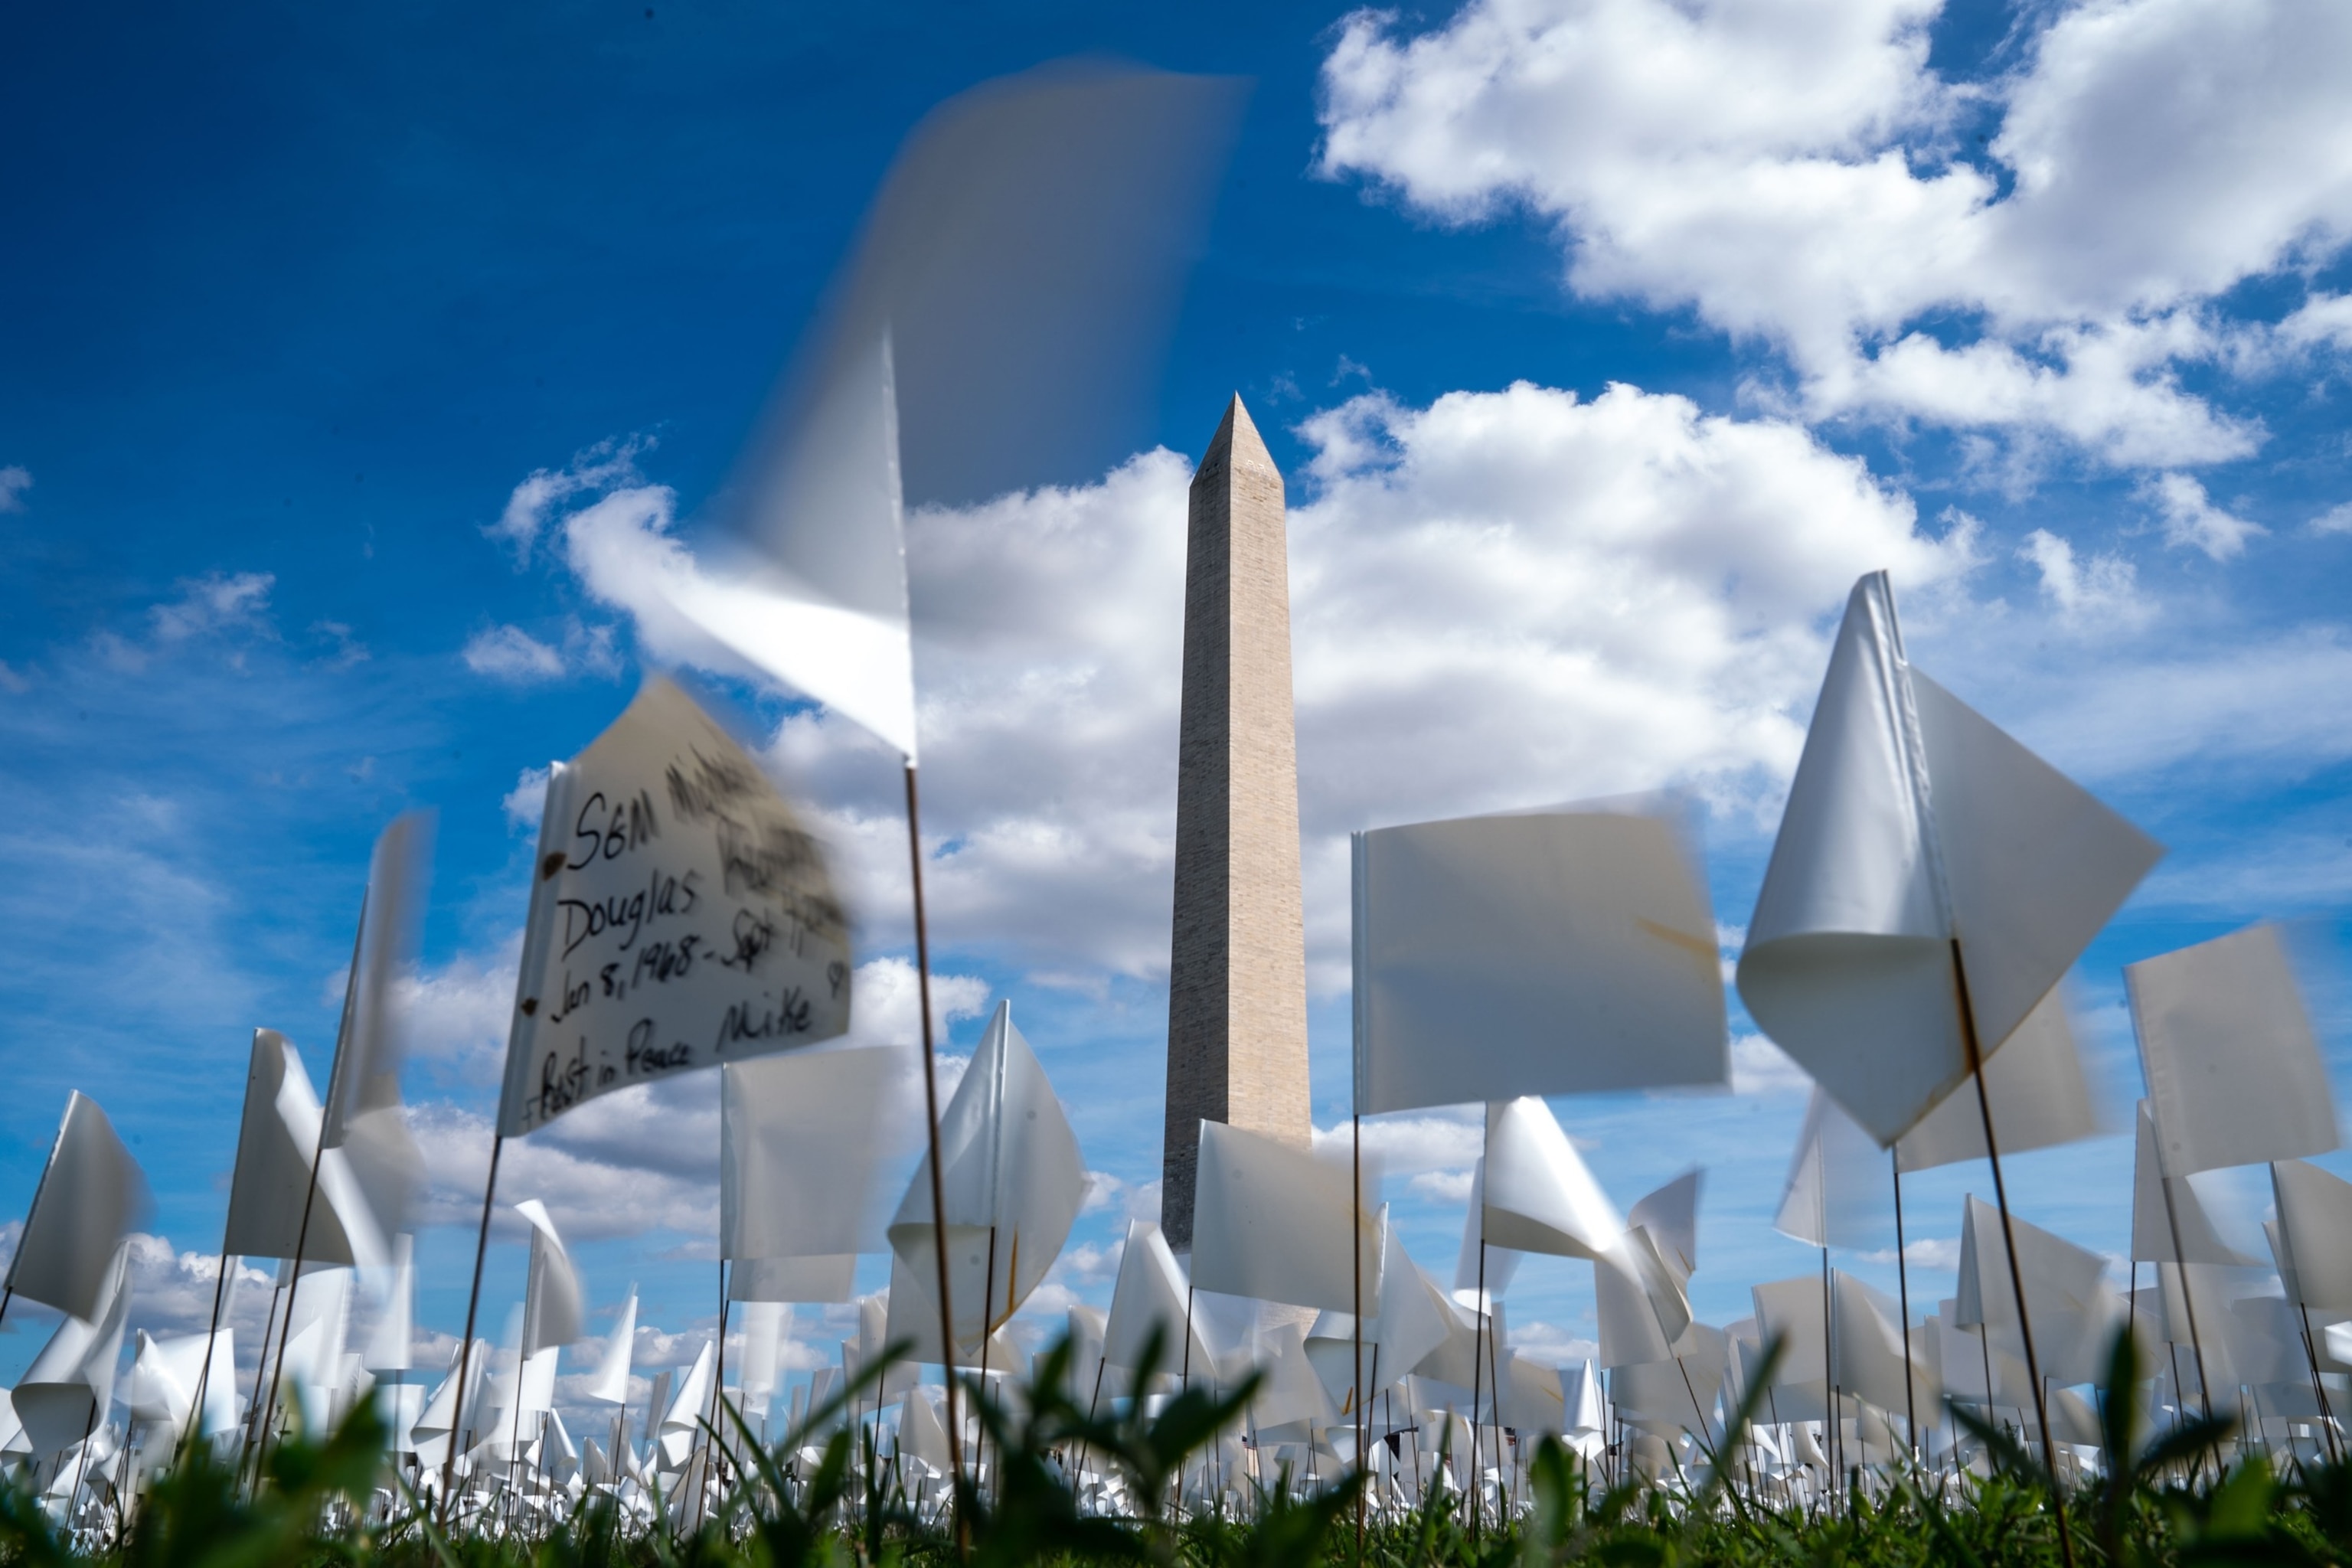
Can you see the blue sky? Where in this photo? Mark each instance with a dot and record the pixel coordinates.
(2040, 307)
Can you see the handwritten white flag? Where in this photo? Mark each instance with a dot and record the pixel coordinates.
(681, 918)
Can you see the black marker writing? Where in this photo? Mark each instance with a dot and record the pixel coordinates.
(792, 1015)
(644, 1057)
(662, 895)
(607, 832)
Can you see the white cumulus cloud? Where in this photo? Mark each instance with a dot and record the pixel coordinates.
(2038, 250)
(512, 654)
(1550, 597)
(2103, 587)
(2191, 520)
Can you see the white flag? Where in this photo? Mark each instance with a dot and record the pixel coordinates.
(922, 1435)
(1553, 952)
(1640, 1306)
(1671, 1216)
(680, 1432)
(163, 1378)
(1794, 1311)
(362, 1114)
(610, 1382)
(2165, 1207)
(1675, 1393)
(800, 1142)
(1291, 1394)
(71, 1380)
(680, 917)
(1867, 1345)
(388, 1347)
(2314, 1209)
(1012, 1178)
(2074, 1311)
(1005, 292)
(1416, 1320)
(555, 1309)
(1271, 1221)
(1586, 1412)
(91, 1193)
(2040, 1097)
(1539, 1196)
(273, 1210)
(1481, 1271)
(1149, 1296)
(820, 1276)
(1840, 1187)
(766, 1326)
(1913, 824)
(2233, 1070)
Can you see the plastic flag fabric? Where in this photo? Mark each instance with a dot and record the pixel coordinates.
(2169, 1224)
(1839, 1191)
(609, 1384)
(2040, 1097)
(1012, 1178)
(800, 1142)
(1671, 1216)
(2074, 1311)
(2234, 1074)
(1149, 1299)
(1013, 279)
(1480, 1264)
(71, 1380)
(2314, 1221)
(1551, 953)
(819, 1277)
(364, 1115)
(1914, 824)
(1271, 1221)
(555, 1310)
(1537, 1195)
(388, 1346)
(91, 1193)
(681, 918)
(766, 1326)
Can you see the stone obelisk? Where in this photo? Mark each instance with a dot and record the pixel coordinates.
(1237, 965)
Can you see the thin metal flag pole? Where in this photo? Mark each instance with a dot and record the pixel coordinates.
(2008, 1243)
(1832, 1427)
(1478, 1374)
(722, 1434)
(310, 1195)
(205, 1373)
(1902, 1288)
(931, 1132)
(2311, 1354)
(457, 1433)
(1356, 1378)
(286, 1332)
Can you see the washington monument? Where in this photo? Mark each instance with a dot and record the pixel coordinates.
(1237, 968)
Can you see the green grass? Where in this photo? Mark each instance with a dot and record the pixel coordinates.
(2173, 1499)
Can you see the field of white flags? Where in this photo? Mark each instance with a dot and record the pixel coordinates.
(1931, 883)
(1282, 1381)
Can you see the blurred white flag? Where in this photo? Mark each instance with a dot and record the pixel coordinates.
(1548, 952)
(2234, 1076)
(1272, 1221)
(91, 1193)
